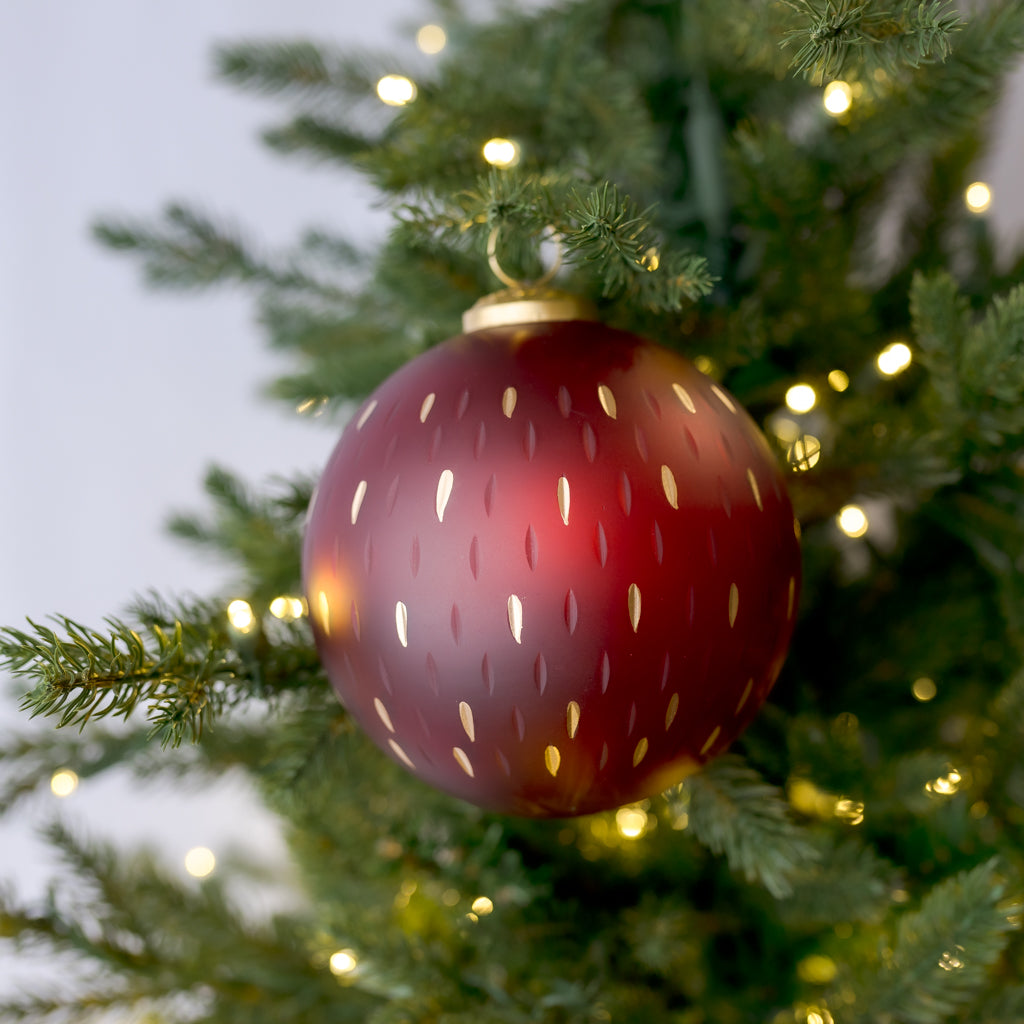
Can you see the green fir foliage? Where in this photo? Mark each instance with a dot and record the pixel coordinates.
(857, 858)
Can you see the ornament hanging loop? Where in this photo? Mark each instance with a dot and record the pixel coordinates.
(505, 278)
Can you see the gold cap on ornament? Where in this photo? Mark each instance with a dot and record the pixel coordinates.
(524, 302)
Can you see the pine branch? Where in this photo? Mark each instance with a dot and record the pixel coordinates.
(942, 954)
(295, 67)
(183, 665)
(190, 250)
(732, 810)
(262, 533)
(836, 32)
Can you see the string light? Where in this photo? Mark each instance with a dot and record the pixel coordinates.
(837, 98)
(852, 520)
(945, 785)
(240, 615)
(343, 962)
(850, 811)
(978, 197)
(801, 398)
(431, 39)
(63, 782)
(396, 90)
(482, 906)
(838, 381)
(804, 453)
(924, 689)
(785, 429)
(816, 969)
(287, 608)
(500, 152)
(893, 359)
(200, 862)
(631, 821)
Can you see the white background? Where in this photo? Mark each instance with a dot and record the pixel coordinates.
(113, 400)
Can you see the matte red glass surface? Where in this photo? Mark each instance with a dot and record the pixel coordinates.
(551, 568)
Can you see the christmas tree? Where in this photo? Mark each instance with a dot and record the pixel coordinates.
(781, 193)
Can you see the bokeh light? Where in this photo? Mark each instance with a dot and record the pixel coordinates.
(978, 197)
(240, 615)
(838, 380)
(343, 962)
(801, 398)
(894, 359)
(852, 520)
(500, 152)
(63, 782)
(924, 689)
(200, 862)
(431, 39)
(837, 98)
(396, 90)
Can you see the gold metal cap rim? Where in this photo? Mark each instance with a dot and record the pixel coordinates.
(524, 306)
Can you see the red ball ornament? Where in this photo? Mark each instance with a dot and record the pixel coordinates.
(551, 567)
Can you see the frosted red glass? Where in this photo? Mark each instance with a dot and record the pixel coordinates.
(551, 568)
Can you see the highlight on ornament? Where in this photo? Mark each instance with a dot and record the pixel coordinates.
(894, 359)
(837, 98)
(801, 398)
(63, 782)
(396, 90)
(200, 862)
(978, 197)
(852, 520)
(502, 153)
(431, 39)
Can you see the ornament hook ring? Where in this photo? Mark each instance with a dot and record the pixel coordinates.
(505, 278)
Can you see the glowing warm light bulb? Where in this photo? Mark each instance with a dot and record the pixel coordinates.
(801, 398)
(804, 453)
(482, 905)
(852, 520)
(894, 359)
(200, 862)
(631, 821)
(978, 197)
(501, 152)
(240, 615)
(63, 783)
(924, 689)
(343, 962)
(431, 39)
(838, 98)
(396, 90)
(287, 608)
(838, 381)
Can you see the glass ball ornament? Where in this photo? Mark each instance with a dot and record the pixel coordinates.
(551, 567)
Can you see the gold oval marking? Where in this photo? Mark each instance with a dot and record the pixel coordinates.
(633, 602)
(366, 414)
(572, 719)
(723, 398)
(552, 759)
(668, 484)
(746, 693)
(755, 490)
(797, 532)
(382, 713)
(670, 713)
(445, 485)
(428, 404)
(607, 399)
(357, 500)
(684, 397)
(563, 499)
(402, 623)
(515, 617)
(508, 401)
(401, 755)
(464, 762)
(323, 608)
(466, 715)
(710, 741)
(792, 597)
(734, 603)
(640, 751)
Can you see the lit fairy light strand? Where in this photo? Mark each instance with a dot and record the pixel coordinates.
(241, 616)
(500, 152)
(894, 359)
(837, 98)
(852, 520)
(801, 398)
(63, 782)
(343, 962)
(396, 90)
(978, 197)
